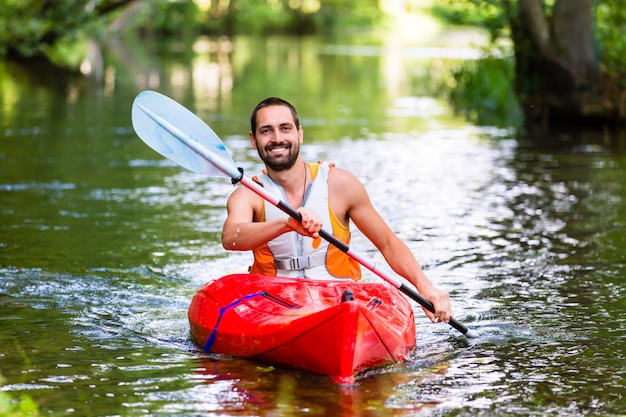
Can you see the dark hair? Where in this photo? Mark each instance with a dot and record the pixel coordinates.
(272, 101)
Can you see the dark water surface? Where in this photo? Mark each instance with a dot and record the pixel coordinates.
(103, 243)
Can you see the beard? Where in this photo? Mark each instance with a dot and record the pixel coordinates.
(282, 162)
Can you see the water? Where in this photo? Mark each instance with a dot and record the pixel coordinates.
(103, 243)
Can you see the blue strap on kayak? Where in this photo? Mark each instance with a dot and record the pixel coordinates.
(278, 300)
(209, 343)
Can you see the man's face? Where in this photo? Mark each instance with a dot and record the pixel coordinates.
(276, 138)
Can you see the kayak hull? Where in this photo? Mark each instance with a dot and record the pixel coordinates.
(304, 323)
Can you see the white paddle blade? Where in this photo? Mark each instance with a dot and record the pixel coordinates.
(181, 136)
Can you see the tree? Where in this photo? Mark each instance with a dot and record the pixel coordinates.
(558, 75)
(569, 56)
(28, 27)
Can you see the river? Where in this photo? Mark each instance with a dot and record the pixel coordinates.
(103, 242)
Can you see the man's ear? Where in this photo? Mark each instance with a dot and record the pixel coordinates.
(301, 133)
(252, 140)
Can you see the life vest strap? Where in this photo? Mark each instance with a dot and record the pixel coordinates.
(301, 262)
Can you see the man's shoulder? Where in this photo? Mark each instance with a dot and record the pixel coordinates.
(341, 180)
(340, 173)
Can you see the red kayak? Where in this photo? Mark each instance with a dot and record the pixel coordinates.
(337, 328)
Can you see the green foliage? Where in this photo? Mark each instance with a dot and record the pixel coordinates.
(23, 406)
(471, 82)
(487, 14)
(483, 90)
(12, 407)
(337, 14)
(255, 17)
(610, 23)
(169, 18)
(289, 16)
(490, 14)
(28, 27)
(249, 16)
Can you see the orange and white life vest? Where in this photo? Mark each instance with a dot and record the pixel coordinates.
(292, 254)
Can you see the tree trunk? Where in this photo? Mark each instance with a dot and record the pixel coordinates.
(558, 78)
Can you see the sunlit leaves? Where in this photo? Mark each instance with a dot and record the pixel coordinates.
(486, 13)
(610, 22)
(29, 26)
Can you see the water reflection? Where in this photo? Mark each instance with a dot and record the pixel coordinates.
(269, 391)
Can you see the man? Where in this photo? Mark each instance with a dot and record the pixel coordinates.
(326, 197)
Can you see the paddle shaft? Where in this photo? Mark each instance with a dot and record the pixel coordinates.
(342, 246)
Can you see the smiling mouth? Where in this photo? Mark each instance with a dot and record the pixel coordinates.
(277, 149)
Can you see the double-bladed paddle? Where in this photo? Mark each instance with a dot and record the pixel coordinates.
(180, 135)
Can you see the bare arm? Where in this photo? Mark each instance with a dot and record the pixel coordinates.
(355, 202)
(243, 229)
